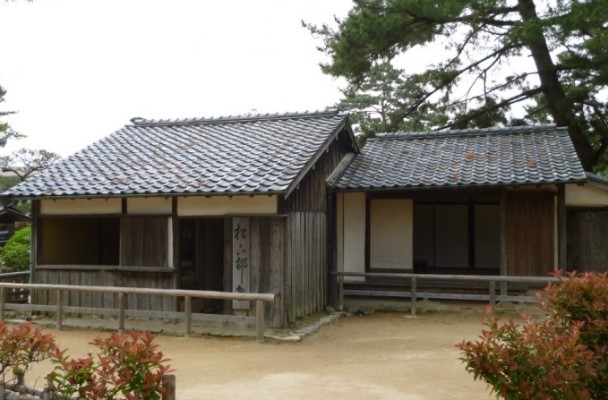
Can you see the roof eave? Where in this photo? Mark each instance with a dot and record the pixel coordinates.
(345, 124)
(141, 195)
(455, 187)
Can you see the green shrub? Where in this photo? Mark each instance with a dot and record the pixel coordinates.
(15, 255)
(564, 356)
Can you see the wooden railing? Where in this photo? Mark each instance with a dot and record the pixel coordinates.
(414, 279)
(60, 308)
(16, 295)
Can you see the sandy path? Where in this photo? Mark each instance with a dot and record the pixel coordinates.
(379, 356)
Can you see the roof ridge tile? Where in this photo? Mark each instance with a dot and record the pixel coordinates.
(507, 130)
(329, 112)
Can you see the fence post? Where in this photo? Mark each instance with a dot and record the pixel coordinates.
(341, 292)
(413, 298)
(493, 295)
(168, 384)
(59, 309)
(2, 390)
(121, 311)
(2, 302)
(259, 321)
(188, 312)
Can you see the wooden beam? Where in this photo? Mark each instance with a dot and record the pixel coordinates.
(503, 239)
(367, 232)
(561, 227)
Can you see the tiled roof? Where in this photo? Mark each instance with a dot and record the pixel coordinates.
(503, 156)
(261, 154)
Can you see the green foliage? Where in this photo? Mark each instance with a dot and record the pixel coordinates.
(482, 73)
(564, 356)
(5, 130)
(128, 366)
(15, 255)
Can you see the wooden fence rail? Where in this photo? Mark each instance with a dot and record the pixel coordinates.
(16, 295)
(414, 293)
(122, 312)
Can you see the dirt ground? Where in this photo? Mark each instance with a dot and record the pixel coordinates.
(377, 356)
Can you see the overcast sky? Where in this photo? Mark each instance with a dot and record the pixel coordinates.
(77, 70)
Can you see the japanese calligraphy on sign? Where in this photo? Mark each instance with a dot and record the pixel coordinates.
(240, 260)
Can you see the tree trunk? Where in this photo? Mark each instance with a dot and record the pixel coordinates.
(560, 109)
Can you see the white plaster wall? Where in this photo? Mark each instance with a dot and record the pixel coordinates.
(149, 205)
(80, 206)
(587, 195)
(351, 233)
(391, 234)
(225, 205)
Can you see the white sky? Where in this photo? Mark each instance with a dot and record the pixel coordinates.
(77, 70)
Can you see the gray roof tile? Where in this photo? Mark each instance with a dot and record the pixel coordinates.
(236, 155)
(505, 156)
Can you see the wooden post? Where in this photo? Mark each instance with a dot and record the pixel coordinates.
(259, 321)
(2, 389)
(413, 298)
(188, 314)
(168, 384)
(503, 241)
(59, 309)
(121, 311)
(561, 228)
(2, 301)
(341, 293)
(493, 295)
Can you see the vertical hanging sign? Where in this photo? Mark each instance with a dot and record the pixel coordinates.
(240, 260)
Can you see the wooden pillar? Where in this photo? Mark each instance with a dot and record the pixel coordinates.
(188, 314)
(332, 252)
(561, 227)
(35, 235)
(176, 245)
(503, 240)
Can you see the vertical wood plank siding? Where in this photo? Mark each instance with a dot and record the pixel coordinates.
(143, 241)
(267, 263)
(306, 283)
(530, 233)
(307, 250)
(586, 238)
(311, 192)
(143, 279)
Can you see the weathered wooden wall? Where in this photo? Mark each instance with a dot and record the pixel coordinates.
(308, 248)
(587, 232)
(267, 263)
(530, 233)
(268, 260)
(106, 277)
(306, 279)
(143, 241)
(311, 194)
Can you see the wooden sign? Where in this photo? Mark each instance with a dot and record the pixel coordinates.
(240, 260)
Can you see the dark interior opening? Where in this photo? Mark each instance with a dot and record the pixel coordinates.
(457, 238)
(201, 255)
(79, 240)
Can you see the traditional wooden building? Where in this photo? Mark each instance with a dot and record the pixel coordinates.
(510, 201)
(226, 204)
(274, 203)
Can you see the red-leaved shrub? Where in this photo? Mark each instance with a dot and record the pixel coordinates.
(563, 356)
